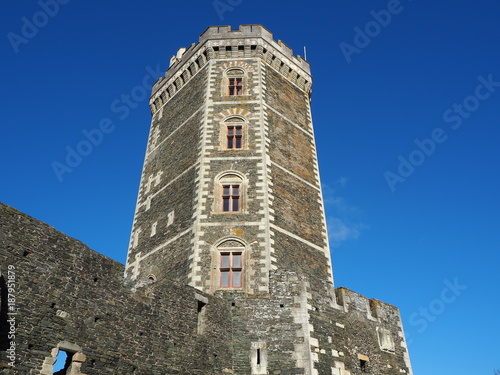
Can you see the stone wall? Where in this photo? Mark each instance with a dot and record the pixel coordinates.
(163, 220)
(70, 297)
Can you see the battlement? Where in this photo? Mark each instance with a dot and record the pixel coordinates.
(247, 41)
(373, 308)
(252, 31)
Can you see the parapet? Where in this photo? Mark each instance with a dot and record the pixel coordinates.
(249, 36)
(373, 308)
(253, 31)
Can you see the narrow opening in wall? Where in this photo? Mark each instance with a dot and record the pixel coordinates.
(26, 253)
(258, 358)
(201, 317)
(228, 48)
(63, 361)
(282, 305)
(363, 365)
(253, 47)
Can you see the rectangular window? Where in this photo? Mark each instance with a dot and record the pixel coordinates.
(235, 86)
(234, 136)
(230, 270)
(231, 198)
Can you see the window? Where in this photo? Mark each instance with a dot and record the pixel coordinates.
(235, 86)
(234, 136)
(385, 340)
(229, 193)
(202, 310)
(234, 82)
(233, 133)
(231, 198)
(258, 358)
(229, 264)
(231, 267)
(363, 363)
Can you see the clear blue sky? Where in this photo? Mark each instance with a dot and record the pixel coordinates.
(407, 123)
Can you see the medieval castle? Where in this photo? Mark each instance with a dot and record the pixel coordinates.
(228, 269)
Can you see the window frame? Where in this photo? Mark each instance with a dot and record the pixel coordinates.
(230, 268)
(233, 129)
(235, 86)
(230, 193)
(234, 140)
(234, 82)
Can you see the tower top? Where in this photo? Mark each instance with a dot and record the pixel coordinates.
(224, 37)
(252, 31)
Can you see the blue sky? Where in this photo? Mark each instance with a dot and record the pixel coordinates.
(406, 111)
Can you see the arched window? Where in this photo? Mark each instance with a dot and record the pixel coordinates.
(231, 193)
(234, 132)
(231, 253)
(234, 82)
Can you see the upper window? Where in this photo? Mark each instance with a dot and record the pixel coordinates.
(235, 86)
(234, 136)
(234, 133)
(230, 193)
(231, 198)
(235, 82)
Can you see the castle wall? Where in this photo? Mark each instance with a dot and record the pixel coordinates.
(358, 336)
(70, 297)
(301, 330)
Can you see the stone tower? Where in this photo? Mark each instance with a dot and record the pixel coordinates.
(230, 203)
(230, 186)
